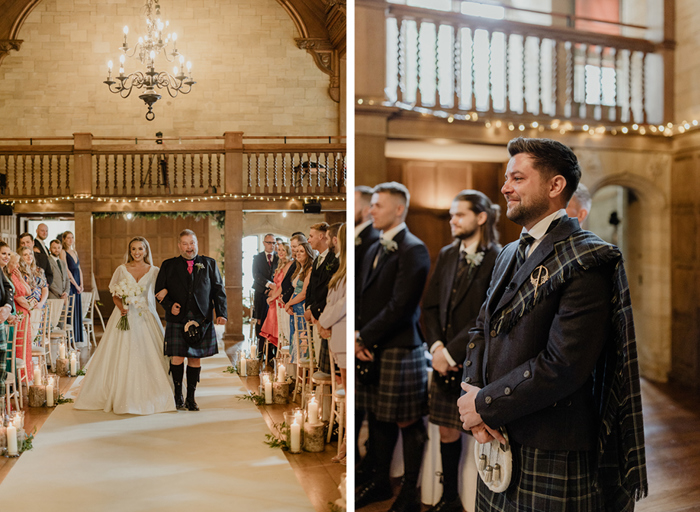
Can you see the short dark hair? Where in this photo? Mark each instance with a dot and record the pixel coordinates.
(550, 158)
(481, 203)
(297, 233)
(395, 189)
(321, 226)
(20, 237)
(333, 229)
(55, 241)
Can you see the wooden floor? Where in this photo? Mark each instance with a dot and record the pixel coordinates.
(672, 434)
(316, 473)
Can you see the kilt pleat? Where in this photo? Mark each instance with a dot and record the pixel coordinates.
(175, 344)
(546, 481)
(401, 394)
(443, 407)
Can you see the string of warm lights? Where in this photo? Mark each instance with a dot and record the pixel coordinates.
(563, 127)
(106, 199)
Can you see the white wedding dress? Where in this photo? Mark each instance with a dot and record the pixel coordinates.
(128, 373)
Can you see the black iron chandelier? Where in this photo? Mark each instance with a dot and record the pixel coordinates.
(148, 48)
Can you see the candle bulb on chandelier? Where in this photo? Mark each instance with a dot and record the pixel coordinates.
(109, 70)
(126, 32)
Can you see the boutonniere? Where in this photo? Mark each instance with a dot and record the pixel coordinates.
(200, 266)
(329, 267)
(475, 259)
(388, 245)
(358, 240)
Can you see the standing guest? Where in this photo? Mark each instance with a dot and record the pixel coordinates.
(304, 261)
(333, 321)
(288, 286)
(35, 279)
(264, 264)
(580, 205)
(452, 301)
(365, 232)
(24, 303)
(270, 328)
(324, 267)
(554, 359)
(394, 272)
(7, 309)
(60, 288)
(42, 260)
(42, 233)
(70, 257)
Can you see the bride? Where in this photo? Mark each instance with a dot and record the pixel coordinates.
(128, 373)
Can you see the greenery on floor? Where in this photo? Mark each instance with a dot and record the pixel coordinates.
(278, 440)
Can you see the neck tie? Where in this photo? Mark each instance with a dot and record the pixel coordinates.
(269, 259)
(190, 264)
(525, 241)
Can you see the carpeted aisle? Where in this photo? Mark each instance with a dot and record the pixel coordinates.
(210, 460)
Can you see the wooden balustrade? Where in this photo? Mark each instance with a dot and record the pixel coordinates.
(139, 169)
(456, 63)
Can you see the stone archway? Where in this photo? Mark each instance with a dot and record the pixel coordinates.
(647, 254)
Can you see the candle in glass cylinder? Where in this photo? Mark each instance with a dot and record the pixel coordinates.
(295, 443)
(49, 394)
(312, 411)
(12, 440)
(298, 416)
(281, 373)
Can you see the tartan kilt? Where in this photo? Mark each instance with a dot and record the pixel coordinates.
(402, 392)
(546, 481)
(175, 344)
(443, 407)
(3, 357)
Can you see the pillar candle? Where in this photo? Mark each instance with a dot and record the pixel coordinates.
(37, 376)
(268, 391)
(73, 364)
(49, 395)
(295, 443)
(62, 351)
(12, 439)
(241, 366)
(254, 351)
(313, 411)
(298, 417)
(281, 373)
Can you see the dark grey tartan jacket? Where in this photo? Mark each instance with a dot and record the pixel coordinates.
(559, 368)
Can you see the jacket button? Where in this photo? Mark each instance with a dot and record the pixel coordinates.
(471, 345)
(507, 391)
(468, 362)
(468, 380)
(494, 333)
(449, 326)
(487, 400)
(526, 374)
(454, 290)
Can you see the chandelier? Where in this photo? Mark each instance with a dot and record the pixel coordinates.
(148, 48)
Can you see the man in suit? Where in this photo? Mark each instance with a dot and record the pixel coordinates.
(394, 272)
(323, 269)
(42, 261)
(42, 233)
(365, 232)
(552, 359)
(195, 291)
(452, 302)
(60, 288)
(264, 265)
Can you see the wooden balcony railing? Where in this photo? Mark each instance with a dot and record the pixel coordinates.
(121, 167)
(456, 63)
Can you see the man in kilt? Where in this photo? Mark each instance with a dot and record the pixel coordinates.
(552, 360)
(195, 291)
(395, 269)
(452, 302)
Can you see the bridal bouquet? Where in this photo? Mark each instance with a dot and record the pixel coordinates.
(130, 293)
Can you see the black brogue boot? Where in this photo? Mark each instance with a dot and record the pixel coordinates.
(192, 380)
(177, 371)
(414, 438)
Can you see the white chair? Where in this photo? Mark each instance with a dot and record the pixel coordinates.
(11, 388)
(68, 322)
(42, 351)
(337, 409)
(56, 313)
(88, 306)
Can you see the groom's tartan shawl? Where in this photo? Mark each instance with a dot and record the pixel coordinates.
(621, 458)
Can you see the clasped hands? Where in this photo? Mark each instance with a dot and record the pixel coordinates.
(471, 420)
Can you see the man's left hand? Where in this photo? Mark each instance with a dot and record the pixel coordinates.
(467, 407)
(324, 333)
(220, 321)
(307, 315)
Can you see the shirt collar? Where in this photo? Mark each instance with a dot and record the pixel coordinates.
(540, 229)
(470, 249)
(391, 233)
(361, 227)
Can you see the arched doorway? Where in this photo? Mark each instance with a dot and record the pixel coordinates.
(631, 213)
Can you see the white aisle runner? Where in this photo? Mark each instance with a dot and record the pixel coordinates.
(211, 460)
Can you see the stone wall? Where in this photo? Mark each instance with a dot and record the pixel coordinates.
(250, 75)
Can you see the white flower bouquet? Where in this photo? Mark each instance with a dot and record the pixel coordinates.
(130, 293)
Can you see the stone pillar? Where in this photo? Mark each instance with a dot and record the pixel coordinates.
(233, 235)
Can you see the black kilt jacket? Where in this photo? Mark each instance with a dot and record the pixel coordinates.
(536, 375)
